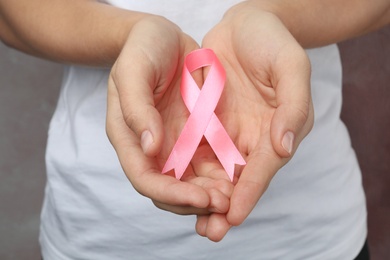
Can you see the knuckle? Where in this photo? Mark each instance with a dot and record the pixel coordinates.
(131, 118)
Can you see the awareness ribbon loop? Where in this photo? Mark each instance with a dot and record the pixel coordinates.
(202, 121)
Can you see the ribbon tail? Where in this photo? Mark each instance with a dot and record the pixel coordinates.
(230, 161)
(176, 163)
(188, 141)
(223, 146)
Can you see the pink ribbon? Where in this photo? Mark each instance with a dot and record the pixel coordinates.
(202, 120)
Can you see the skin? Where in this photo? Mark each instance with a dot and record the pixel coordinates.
(265, 101)
(159, 84)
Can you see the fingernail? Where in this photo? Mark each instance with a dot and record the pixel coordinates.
(146, 140)
(288, 141)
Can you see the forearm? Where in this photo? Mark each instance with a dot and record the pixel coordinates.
(73, 31)
(316, 23)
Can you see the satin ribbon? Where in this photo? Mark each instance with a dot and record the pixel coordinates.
(202, 121)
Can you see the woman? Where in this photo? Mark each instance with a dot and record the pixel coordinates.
(314, 207)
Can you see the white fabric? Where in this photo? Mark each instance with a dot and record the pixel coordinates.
(313, 209)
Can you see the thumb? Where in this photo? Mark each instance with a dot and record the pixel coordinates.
(294, 115)
(136, 98)
(290, 124)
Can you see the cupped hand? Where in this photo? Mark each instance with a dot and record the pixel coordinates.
(266, 104)
(145, 115)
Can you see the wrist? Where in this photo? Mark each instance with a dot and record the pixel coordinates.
(316, 23)
(269, 10)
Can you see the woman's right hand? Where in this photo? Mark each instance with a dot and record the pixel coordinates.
(145, 115)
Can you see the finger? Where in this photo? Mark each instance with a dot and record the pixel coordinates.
(143, 171)
(135, 89)
(167, 190)
(289, 126)
(181, 210)
(219, 192)
(262, 164)
(201, 224)
(217, 227)
(293, 117)
(206, 164)
(219, 203)
(214, 226)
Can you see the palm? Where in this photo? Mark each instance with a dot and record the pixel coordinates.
(144, 93)
(247, 110)
(267, 93)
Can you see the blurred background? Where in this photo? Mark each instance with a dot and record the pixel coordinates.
(29, 89)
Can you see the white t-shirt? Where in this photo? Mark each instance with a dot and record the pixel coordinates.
(313, 209)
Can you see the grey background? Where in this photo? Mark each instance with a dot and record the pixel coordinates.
(28, 92)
